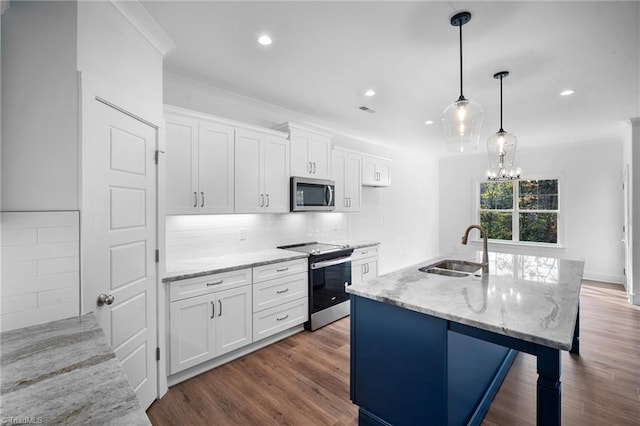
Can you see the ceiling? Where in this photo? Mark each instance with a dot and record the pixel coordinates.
(325, 54)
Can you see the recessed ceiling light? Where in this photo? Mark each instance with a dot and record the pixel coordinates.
(567, 92)
(264, 40)
(369, 92)
(428, 122)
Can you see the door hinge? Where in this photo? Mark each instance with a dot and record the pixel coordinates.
(157, 354)
(157, 255)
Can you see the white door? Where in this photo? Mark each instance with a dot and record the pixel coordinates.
(276, 174)
(215, 168)
(119, 209)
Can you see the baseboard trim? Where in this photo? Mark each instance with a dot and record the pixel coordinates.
(606, 278)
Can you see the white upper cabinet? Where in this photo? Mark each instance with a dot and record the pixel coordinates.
(346, 169)
(310, 152)
(261, 172)
(199, 165)
(376, 171)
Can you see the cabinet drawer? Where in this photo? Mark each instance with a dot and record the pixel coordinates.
(280, 269)
(191, 287)
(363, 252)
(268, 294)
(279, 318)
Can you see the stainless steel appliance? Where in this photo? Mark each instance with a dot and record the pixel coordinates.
(329, 274)
(312, 195)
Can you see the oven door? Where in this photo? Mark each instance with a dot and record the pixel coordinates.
(328, 280)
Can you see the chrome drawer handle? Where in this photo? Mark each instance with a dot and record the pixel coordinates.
(213, 310)
(283, 269)
(202, 204)
(283, 318)
(195, 199)
(282, 291)
(215, 283)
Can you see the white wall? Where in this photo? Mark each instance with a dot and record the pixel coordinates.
(40, 107)
(591, 197)
(402, 217)
(111, 49)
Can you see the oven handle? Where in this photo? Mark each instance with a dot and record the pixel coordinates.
(331, 262)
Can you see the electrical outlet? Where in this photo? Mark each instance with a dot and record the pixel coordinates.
(242, 234)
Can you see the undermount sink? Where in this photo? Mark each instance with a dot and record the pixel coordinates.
(452, 268)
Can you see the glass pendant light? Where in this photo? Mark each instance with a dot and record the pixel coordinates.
(462, 120)
(502, 148)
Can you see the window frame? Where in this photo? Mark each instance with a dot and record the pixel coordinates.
(515, 212)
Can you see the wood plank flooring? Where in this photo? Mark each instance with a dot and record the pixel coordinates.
(304, 380)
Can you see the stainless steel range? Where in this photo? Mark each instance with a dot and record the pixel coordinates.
(329, 274)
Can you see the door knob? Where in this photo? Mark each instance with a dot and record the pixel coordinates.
(105, 299)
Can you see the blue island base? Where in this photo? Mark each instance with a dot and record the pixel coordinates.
(410, 368)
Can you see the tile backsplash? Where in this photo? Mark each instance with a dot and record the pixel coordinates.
(214, 235)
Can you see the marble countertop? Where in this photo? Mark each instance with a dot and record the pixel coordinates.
(64, 372)
(200, 266)
(531, 298)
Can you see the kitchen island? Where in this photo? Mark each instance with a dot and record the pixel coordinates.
(434, 349)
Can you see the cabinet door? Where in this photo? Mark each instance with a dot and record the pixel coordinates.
(370, 268)
(276, 174)
(383, 168)
(339, 175)
(181, 164)
(192, 332)
(215, 168)
(357, 271)
(300, 162)
(234, 319)
(353, 181)
(249, 194)
(320, 156)
(368, 171)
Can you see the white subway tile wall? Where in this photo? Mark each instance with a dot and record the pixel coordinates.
(215, 235)
(40, 273)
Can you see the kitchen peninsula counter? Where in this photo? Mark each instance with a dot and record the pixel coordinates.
(65, 372)
(526, 303)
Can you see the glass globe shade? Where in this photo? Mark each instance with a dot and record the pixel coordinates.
(501, 145)
(462, 122)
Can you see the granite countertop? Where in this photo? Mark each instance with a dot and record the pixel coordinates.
(355, 244)
(200, 266)
(531, 298)
(64, 372)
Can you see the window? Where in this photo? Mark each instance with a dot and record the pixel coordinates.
(520, 211)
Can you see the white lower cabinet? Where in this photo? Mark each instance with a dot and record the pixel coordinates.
(216, 314)
(364, 264)
(212, 324)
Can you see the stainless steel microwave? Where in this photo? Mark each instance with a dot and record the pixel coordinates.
(312, 195)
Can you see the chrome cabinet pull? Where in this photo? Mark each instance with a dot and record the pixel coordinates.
(202, 204)
(213, 310)
(267, 201)
(282, 269)
(220, 311)
(282, 291)
(346, 204)
(215, 283)
(261, 200)
(283, 318)
(310, 167)
(364, 252)
(195, 199)
(314, 168)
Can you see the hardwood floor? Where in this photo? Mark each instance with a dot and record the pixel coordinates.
(304, 380)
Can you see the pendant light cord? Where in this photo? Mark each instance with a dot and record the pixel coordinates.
(461, 98)
(501, 130)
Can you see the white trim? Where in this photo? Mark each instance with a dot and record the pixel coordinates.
(144, 23)
(606, 278)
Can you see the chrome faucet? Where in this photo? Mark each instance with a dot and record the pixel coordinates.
(485, 254)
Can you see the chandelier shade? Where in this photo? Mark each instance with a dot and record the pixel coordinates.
(462, 120)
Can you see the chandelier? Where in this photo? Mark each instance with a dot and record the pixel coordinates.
(502, 148)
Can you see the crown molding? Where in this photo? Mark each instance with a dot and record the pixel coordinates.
(143, 22)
